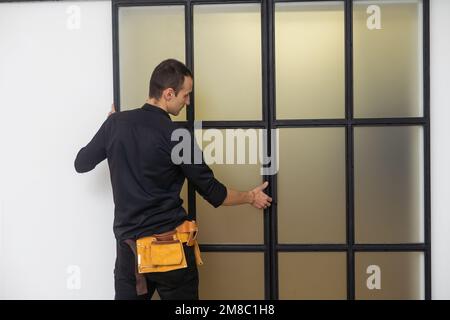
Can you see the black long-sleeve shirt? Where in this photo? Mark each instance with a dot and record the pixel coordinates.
(146, 183)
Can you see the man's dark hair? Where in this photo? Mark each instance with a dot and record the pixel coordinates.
(168, 74)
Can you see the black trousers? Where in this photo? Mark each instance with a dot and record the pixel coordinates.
(181, 284)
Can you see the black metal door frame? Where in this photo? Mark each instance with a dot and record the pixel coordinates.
(271, 247)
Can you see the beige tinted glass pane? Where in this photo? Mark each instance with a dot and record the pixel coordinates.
(232, 276)
(147, 36)
(227, 59)
(245, 221)
(311, 186)
(310, 60)
(312, 275)
(387, 41)
(388, 184)
(389, 275)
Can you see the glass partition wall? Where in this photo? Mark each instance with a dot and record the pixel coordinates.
(345, 87)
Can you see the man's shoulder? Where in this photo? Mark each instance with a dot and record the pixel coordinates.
(130, 117)
(141, 118)
(126, 114)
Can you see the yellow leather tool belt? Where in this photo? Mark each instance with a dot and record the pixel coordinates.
(164, 252)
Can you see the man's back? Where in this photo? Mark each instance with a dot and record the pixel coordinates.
(146, 184)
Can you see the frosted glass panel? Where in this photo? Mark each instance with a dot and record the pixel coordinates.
(388, 184)
(232, 276)
(390, 275)
(312, 275)
(311, 186)
(227, 59)
(147, 36)
(310, 60)
(245, 221)
(387, 41)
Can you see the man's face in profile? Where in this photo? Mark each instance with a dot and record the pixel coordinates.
(182, 98)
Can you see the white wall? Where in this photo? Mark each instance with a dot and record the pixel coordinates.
(440, 155)
(55, 91)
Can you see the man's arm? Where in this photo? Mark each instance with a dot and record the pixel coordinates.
(217, 194)
(214, 191)
(92, 154)
(95, 152)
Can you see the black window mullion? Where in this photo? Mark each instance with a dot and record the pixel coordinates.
(391, 247)
(233, 124)
(232, 247)
(115, 47)
(426, 105)
(189, 47)
(427, 212)
(271, 213)
(136, 3)
(349, 149)
(189, 53)
(265, 45)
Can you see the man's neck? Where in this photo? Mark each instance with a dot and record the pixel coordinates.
(156, 103)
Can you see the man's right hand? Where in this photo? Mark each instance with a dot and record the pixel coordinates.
(256, 197)
(113, 109)
(260, 199)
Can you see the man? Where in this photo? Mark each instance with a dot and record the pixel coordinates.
(146, 183)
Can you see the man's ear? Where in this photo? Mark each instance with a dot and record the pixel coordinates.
(169, 93)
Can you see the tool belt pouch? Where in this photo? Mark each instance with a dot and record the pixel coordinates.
(198, 257)
(160, 253)
(188, 232)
